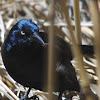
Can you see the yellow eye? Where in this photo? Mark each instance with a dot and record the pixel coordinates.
(22, 33)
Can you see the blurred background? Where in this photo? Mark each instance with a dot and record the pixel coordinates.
(12, 11)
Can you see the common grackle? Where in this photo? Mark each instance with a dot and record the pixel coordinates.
(23, 53)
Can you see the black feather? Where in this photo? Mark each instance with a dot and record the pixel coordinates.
(23, 54)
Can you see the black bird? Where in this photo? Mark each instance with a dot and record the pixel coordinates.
(23, 54)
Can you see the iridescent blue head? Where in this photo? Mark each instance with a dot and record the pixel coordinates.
(27, 25)
(23, 32)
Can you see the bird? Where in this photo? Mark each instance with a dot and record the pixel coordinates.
(24, 51)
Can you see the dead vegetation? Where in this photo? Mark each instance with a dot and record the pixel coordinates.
(68, 27)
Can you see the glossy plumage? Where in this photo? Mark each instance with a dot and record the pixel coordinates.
(24, 52)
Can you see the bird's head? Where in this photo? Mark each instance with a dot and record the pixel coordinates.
(24, 31)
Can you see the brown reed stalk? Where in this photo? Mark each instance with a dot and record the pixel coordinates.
(51, 52)
(77, 22)
(77, 53)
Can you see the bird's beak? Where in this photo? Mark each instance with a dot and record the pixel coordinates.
(40, 40)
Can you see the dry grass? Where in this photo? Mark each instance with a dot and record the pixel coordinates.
(13, 10)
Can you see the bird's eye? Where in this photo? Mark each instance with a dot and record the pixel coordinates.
(22, 33)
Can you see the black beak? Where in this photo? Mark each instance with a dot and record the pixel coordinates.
(39, 39)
